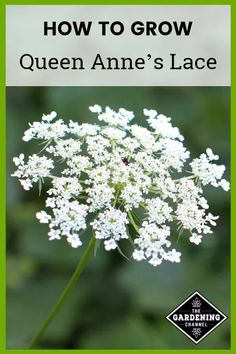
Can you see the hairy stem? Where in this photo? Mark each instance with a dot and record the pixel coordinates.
(73, 280)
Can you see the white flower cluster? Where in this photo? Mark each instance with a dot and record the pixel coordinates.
(35, 169)
(125, 178)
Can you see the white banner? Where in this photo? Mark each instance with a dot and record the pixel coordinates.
(118, 45)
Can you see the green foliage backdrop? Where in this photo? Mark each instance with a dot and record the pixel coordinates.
(117, 303)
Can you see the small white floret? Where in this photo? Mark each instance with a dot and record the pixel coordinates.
(43, 217)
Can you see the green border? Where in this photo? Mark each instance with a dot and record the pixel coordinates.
(3, 4)
(2, 178)
(116, 2)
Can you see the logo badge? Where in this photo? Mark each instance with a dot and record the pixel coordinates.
(196, 317)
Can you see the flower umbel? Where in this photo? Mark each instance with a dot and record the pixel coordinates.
(128, 179)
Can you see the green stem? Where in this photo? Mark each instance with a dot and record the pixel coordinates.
(188, 177)
(154, 190)
(116, 197)
(73, 280)
(143, 206)
(133, 222)
(82, 181)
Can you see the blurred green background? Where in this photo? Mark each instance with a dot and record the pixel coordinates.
(117, 304)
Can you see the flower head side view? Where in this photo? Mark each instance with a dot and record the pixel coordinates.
(114, 169)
